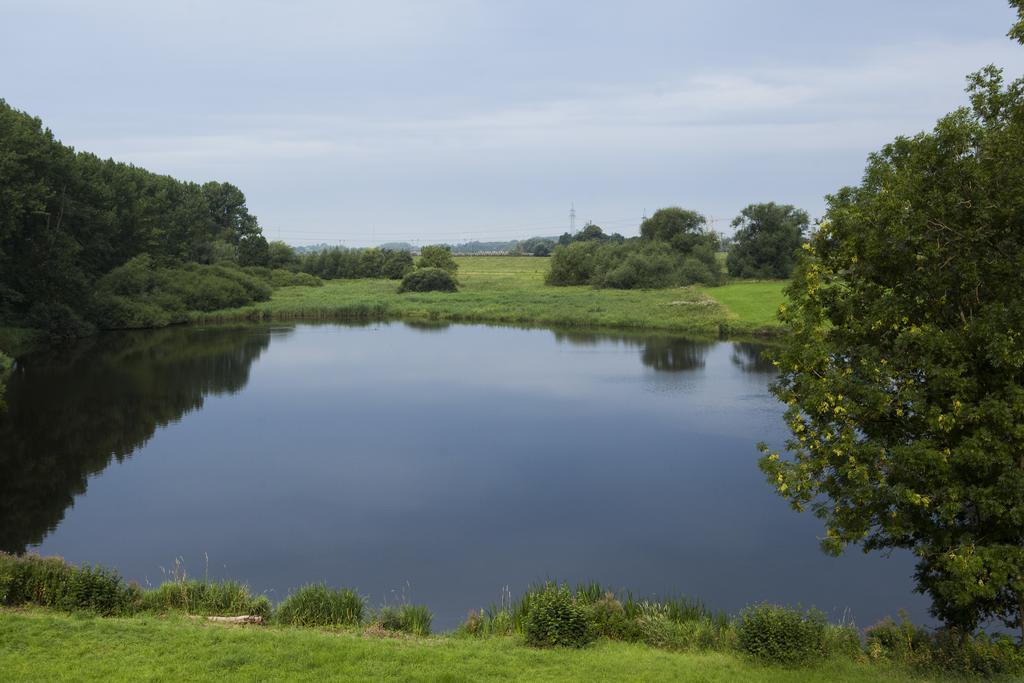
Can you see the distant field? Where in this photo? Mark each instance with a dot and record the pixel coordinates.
(511, 289)
(44, 646)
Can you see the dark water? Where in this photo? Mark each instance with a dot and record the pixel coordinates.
(438, 464)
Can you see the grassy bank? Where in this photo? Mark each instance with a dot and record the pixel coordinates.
(512, 290)
(46, 646)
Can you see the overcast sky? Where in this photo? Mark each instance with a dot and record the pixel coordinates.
(448, 120)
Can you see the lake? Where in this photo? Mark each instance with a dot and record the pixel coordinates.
(436, 464)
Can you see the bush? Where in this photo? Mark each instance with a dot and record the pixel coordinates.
(397, 264)
(947, 650)
(412, 619)
(140, 294)
(318, 605)
(428, 280)
(286, 278)
(608, 619)
(573, 264)
(623, 267)
(59, 321)
(50, 582)
(556, 619)
(438, 256)
(781, 634)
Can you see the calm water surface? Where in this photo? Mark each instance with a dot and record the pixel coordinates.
(435, 464)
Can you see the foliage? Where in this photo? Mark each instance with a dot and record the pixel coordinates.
(411, 619)
(428, 280)
(193, 596)
(573, 264)
(50, 582)
(286, 278)
(1017, 30)
(681, 229)
(281, 255)
(767, 241)
(339, 263)
(318, 605)
(141, 294)
(556, 618)
(633, 264)
(905, 367)
(944, 650)
(396, 265)
(67, 218)
(437, 256)
(6, 364)
(781, 634)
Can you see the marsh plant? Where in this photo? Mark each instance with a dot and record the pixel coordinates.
(412, 619)
(320, 605)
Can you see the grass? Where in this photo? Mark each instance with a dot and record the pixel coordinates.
(37, 645)
(511, 290)
(752, 302)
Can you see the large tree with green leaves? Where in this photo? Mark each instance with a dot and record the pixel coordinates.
(767, 240)
(904, 375)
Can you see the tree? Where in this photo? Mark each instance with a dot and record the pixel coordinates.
(681, 229)
(253, 250)
(281, 255)
(590, 232)
(1017, 30)
(438, 256)
(767, 240)
(904, 373)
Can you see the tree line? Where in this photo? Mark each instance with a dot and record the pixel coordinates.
(67, 218)
(676, 247)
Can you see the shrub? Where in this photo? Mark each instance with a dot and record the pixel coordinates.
(437, 256)
(318, 605)
(608, 619)
(140, 294)
(397, 264)
(50, 582)
(947, 650)
(573, 264)
(556, 619)
(286, 278)
(412, 619)
(59, 321)
(428, 280)
(623, 267)
(781, 634)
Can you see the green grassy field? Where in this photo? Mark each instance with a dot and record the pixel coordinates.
(511, 290)
(36, 645)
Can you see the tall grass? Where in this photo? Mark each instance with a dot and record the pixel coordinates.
(319, 605)
(411, 619)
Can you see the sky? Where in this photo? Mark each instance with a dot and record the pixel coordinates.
(366, 122)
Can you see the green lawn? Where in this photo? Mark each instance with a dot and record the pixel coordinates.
(512, 290)
(43, 646)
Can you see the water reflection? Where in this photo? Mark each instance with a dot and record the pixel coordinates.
(72, 412)
(752, 357)
(660, 352)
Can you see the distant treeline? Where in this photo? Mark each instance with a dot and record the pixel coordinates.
(68, 218)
